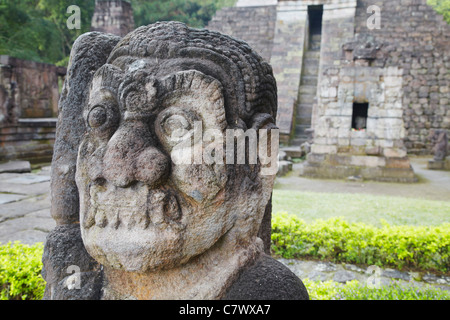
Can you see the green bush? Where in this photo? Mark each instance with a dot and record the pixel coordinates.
(20, 272)
(354, 290)
(419, 247)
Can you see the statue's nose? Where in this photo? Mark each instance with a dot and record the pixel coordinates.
(132, 155)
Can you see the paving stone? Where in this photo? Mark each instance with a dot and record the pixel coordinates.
(390, 273)
(430, 278)
(26, 223)
(325, 267)
(7, 197)
(29, 237)
(317, 275)
(44, 213)
(352, 267)
(25, 189)
(28, 179)
(21, 208)
(344, 276)
(15, 166)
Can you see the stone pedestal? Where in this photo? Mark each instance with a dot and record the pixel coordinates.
(342, 165)
(439, 165)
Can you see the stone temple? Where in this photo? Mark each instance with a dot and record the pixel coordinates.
(366, 82)
(113, 16)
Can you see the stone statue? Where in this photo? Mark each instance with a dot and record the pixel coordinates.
(440, 140)
(140, 213)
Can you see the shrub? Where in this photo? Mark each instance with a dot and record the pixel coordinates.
(20, 264)
(354, 290)
(420, 247)
(20, 272)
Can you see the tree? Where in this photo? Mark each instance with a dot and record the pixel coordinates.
(441, 7)
(195, 13)
(36, 29)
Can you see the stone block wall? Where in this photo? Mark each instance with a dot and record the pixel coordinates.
(30, 139)
(29, 94)
(287, 62)
(113, 16)
(381, 88)
(417, 40)
(376, 152)
(255, 25)
(413, 38)
(353, 70)
(28, 89)
(337, 28)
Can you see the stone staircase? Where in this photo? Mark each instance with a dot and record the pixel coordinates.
(307, 91)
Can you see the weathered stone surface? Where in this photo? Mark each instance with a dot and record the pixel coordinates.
(255, 26)
(440, 140)
(28, 89)
(7, 198)
(65, 257)
(113, 16)
(163, 223)
(89, 52)
(421, 55)
(439, 165)
(344, 276)
(395, 274)
(410, 45)
(15, 166)
(267, 279)
(64, 247)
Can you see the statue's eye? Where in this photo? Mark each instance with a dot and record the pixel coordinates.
(97, 117)
(175, 126)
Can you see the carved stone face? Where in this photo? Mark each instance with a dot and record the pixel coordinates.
(146, 202)
(139, 210)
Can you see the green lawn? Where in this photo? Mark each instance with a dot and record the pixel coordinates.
(370, 209)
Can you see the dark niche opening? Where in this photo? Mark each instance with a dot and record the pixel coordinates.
(315, 19)
(315, 26)
(359, 116)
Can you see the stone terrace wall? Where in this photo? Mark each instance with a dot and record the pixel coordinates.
(255, 25)
(28, 139)
(417, 40)
(28, 89)
(29, 94)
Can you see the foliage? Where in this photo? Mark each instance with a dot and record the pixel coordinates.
(195, 13)
(20, 272)
(20, 279)
(441, 7)
(354, 290)
(20, 268)
(420, 247)
(37, 30)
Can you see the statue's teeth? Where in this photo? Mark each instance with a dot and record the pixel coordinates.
(89, 218)
(116, 219)
(155, 208)
(171, 208)
(161, 207)
(100, 219)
